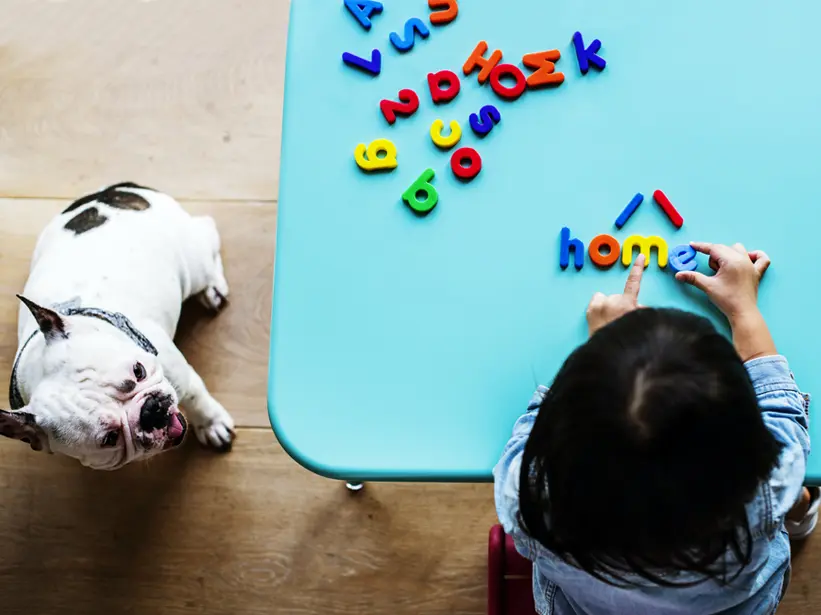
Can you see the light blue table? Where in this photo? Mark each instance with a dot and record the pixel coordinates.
(404, 347)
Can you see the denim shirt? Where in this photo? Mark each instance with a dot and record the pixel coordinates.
(561, 589)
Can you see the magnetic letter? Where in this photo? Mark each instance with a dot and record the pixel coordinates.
(568, 244)
(588, 56)
(612, 254)
(469, 155)
(542, 63)
(412, 26)
(505, 70)
(372, 66)
(683, 258)
(666, 206)
(644, 244)
(362, 10)
(390, 108)
(488, 117)
(445, 142)
(445, 16)
(368, 158)
(444, 86)
(628, 211)
(477, 59)
(422, 185)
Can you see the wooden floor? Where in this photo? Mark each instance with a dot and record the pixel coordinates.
(186, 95)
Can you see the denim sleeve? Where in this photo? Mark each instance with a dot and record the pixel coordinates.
(785, 410)
(506, 472)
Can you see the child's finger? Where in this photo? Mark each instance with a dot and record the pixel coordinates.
(693, 278)
(597, 300)
(738, 247)
(701, 246)
(761, 261)
(633, 284)
(756, 254)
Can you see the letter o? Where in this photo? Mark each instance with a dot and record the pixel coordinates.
(505, 70)
(608, 259)
(467, 154)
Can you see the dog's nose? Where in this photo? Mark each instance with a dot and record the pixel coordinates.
(154, 414)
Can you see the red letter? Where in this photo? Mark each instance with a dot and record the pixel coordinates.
(445, 78)
(469, 155)
(542, 63)
(504, 70)
(390, 108)
(477, 59)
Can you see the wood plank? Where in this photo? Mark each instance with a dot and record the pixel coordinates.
(184, 95)
(230, 351)
(247, 532)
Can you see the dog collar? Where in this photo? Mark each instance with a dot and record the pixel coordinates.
(72, 308)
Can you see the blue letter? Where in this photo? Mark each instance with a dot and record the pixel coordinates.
(414, 24)
(362, 10)
(588, 56)
(683, 258)
(571, 244)
(372, 66)
(489, 117)
(628, 211)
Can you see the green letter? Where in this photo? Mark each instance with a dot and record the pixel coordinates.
(423, 186)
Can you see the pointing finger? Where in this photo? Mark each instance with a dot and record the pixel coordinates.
(633, 284)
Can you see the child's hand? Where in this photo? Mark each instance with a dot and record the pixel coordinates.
(603, 310)
(734, 287)
(734, 290)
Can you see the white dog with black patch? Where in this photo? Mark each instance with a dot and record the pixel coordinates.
(97, 375)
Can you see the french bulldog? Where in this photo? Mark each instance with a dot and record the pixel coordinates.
(97, 376)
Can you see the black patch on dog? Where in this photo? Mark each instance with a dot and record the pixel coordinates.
(86, 220)
(113, 196)
(124, 200)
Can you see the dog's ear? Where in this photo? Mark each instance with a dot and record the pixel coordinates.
(50, 322)
(23, 426)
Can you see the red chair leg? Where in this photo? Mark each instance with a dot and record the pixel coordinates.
(496, 571)
(510, 577)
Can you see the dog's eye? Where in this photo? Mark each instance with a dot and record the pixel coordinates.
(111, 439)
(139, 371)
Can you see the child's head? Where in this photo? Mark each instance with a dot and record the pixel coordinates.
(645, 451)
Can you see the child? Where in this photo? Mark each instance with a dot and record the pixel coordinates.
(655, 476)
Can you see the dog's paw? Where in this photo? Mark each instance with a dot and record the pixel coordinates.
(217, 430)
(213, 299)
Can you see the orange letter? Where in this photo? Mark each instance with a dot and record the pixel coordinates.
(448, 14)
(604, 260)
(542, 63)
(477, 59)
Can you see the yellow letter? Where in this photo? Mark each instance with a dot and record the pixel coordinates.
(644, 244)
(445, 142)
(373, 162)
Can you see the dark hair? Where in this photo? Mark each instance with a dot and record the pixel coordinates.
(645, 451)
